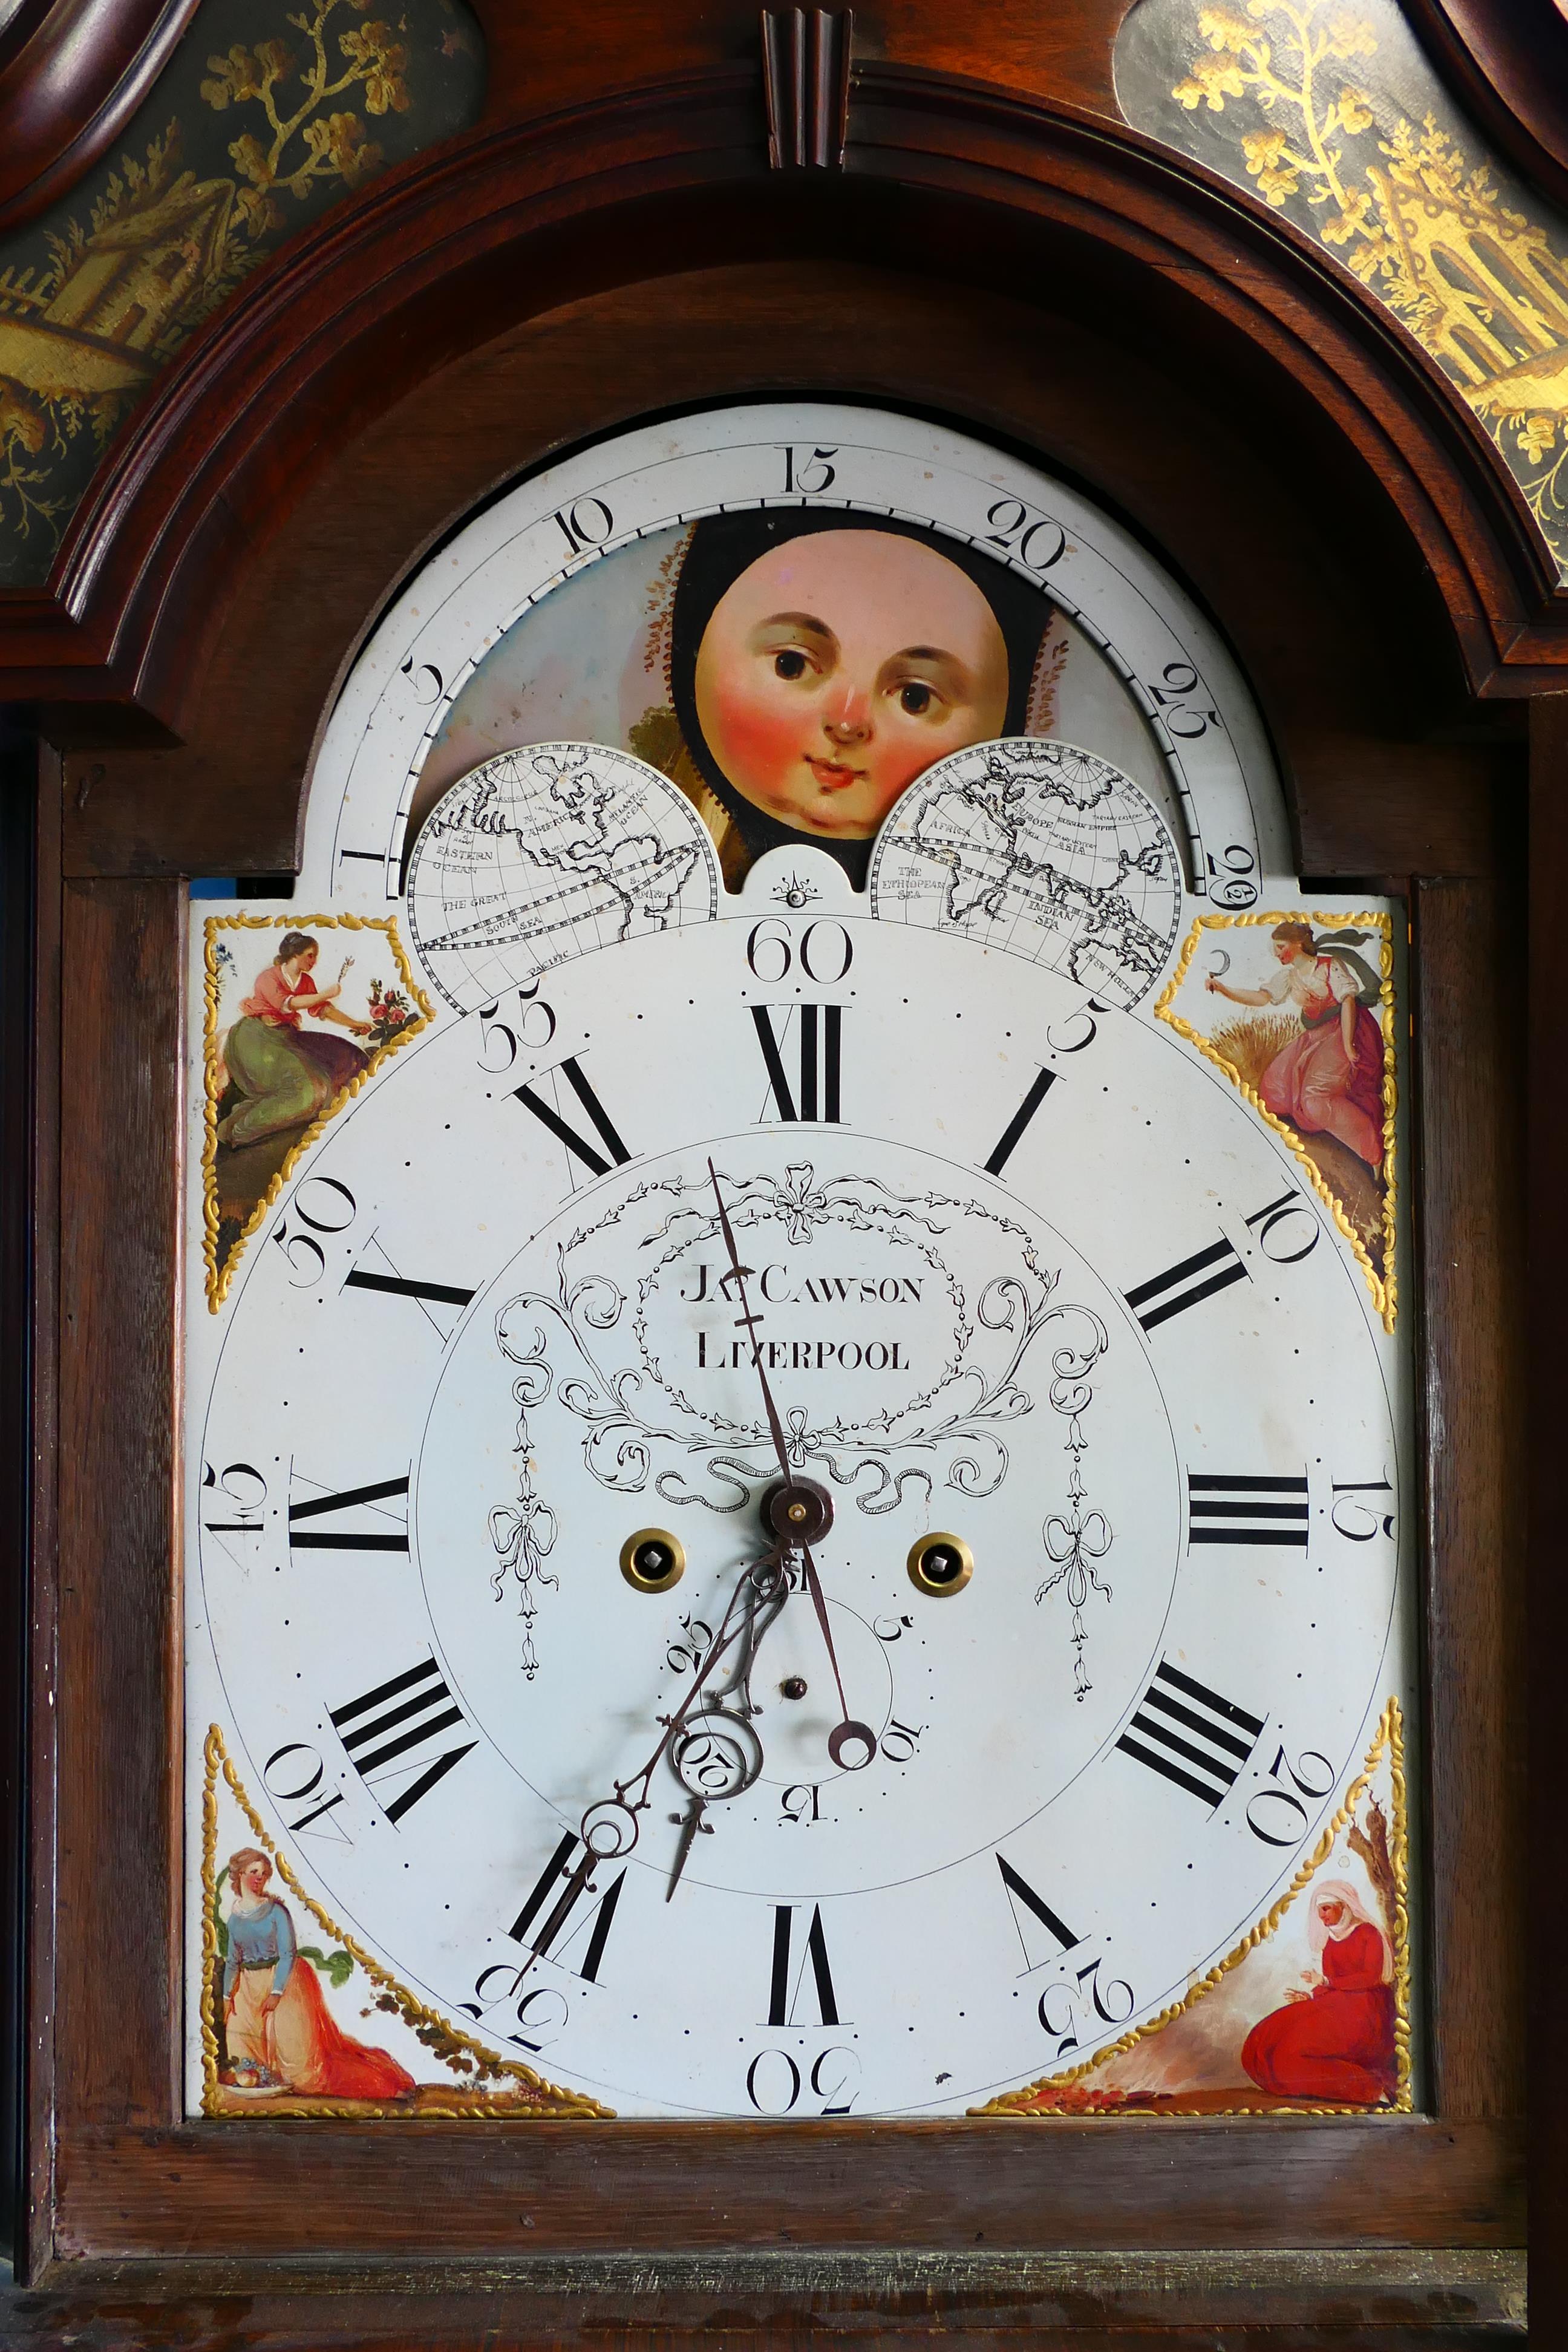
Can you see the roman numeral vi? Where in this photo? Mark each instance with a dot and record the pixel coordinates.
(781, 2002)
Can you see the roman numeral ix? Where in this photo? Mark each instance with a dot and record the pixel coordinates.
(1232, 1510)
(1190, 1736)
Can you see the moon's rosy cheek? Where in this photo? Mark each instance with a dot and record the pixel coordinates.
(753, 735)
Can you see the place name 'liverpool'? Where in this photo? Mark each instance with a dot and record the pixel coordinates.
(715, 1354)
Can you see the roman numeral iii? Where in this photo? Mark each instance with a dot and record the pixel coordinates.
(818, 1041)
(1235, 1510)
(1190, 1736)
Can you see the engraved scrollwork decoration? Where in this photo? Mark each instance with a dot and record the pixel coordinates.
(637, 1426)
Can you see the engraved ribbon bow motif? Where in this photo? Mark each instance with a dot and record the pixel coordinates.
(1074, 1544)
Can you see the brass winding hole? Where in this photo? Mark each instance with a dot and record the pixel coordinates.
(653, 1559)
(941, 1564)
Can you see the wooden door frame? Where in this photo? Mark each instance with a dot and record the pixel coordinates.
(1413, 2220)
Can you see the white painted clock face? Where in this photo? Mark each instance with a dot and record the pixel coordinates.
(475, 1362)
(1082, 1359)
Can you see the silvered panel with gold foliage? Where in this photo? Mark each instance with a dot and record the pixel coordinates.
(266, 116)
(1327, 111)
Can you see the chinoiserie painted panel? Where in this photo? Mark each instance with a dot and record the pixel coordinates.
(1329, 111)
(265, 118)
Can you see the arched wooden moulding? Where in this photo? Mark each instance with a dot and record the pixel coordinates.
(1013, 267)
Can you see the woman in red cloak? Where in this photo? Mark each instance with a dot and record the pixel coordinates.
(1334, 2039)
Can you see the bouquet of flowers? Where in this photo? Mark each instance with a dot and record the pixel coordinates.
(390, 1011)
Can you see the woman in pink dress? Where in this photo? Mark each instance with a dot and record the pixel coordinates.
(1329, 1080)
(1334, 2037)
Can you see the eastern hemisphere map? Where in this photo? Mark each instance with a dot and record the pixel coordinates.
(1040, 849)
(542, 855)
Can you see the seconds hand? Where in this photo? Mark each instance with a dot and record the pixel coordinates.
(848, 1731)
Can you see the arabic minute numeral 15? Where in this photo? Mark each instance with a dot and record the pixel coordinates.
(808, 473)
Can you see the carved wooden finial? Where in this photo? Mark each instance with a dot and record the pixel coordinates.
(806, 68)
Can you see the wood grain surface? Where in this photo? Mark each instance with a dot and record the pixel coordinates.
(1547, 1279)
(1263, 2300)
(72, 74)
(1469, 985)
(117, 1709)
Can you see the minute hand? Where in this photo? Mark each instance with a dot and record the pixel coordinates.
(836, 1739)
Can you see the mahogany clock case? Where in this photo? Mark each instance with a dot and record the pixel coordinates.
(1123, 325)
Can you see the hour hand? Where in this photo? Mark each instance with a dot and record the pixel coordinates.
(691, 1821)
(717, 1755)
